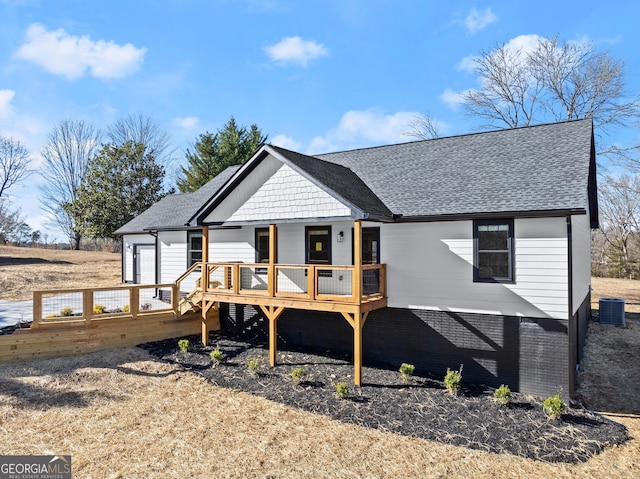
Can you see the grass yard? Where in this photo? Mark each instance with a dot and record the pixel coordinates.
(627, 289)
(23, 270)
(125, 414)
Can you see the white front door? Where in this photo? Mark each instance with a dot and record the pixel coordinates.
(145, 263)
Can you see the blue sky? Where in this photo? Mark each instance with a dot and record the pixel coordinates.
(316, 76)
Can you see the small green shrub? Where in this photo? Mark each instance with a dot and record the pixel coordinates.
(554, 406)
(452, 380)
(502, 395)
(216, 356)
(99, 309)
(254, 366)
(66, 312)
(406, 371)
(298, 375)
(342, 390)
(183, 344)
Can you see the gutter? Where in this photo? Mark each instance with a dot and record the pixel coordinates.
(489, 215)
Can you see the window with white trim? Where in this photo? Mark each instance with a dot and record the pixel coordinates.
(493, 258)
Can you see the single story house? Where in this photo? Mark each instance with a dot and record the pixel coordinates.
(471, 249)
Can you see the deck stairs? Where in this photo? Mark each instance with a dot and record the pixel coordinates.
(191, 303)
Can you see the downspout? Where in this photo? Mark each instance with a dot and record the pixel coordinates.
(157, 261)
(572, 332)
(123, 277)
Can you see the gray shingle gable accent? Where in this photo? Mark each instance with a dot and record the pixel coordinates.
(340, 182)
(532, 169)
(176, 211)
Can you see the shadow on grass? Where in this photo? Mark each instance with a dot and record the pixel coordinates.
(4, 261)
(29, 396)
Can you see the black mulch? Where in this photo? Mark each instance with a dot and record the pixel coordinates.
(422, 408)
(13, 327)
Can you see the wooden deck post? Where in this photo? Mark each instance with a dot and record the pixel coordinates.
(357, 320)
(272, 313)
(204, 279)
(37, 308)
(134, 301)
(87, 306)
(356, 288)
(273, 251)
(204, 285)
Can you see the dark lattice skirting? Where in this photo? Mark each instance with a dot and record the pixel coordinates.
(530, 355)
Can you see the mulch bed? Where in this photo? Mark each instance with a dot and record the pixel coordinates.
(421, 408)
(10, 329)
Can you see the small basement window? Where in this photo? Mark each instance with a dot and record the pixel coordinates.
(493, 260)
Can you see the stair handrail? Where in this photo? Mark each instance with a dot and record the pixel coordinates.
(192, 268)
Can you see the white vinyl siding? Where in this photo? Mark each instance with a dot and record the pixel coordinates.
(128, 241)
(232, 245)
(581, 258)
(430, 266)
(173, 255)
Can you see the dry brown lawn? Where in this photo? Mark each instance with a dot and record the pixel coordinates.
(123, 414)
(627, 289)
(23, 270)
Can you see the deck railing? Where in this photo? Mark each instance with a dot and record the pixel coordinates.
(308, 282)
(74, 306)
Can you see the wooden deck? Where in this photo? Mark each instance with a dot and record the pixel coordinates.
(72, 321)
(90, 319)
(353, 291)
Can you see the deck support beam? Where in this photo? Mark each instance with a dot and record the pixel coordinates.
(272, 313)
(273, 252)
(204, 285)
(357, 320)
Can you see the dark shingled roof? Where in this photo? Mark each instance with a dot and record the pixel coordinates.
(176, 211)
(538, 168)
(544, 168)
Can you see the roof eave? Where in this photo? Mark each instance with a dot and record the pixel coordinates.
(493, 214)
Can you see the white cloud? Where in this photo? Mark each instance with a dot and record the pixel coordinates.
(365, 128)
(468, 63)
(285, 142)
(479, 20)
(296, 51)
(71, 56)
(186, 122)
(524, 43)
(453, 98)
(5, 102)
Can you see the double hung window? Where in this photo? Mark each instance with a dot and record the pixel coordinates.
(493, 251)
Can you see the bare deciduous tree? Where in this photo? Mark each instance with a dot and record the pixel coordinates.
(140, 129)
(9, 221)
(509, 94)
(619, 201)
(71, 145)
(555, 81)
(14, 163)
(423, 127)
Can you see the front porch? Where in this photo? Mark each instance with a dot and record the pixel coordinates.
(351, 290)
